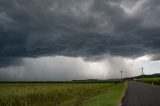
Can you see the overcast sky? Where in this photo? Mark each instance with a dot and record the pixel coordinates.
(78, 39)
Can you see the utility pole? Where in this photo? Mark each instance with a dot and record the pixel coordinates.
(142, 71)
(121, 74)
(125, 80)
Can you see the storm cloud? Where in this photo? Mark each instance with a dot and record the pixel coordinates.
(78, 28)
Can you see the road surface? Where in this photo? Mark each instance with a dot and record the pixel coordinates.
(141, 94)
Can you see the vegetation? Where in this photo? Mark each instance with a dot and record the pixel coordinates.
(111, 97)
(150, 80)
(55, 94)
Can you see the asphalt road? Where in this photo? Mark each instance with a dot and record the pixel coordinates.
(141, 94)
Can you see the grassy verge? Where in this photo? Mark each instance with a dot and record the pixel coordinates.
(49, 94)
(150, 80)
(111, 97)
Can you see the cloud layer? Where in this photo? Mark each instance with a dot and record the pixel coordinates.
(78, 28)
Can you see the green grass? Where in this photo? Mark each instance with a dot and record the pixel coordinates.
(52, 94)
(150, 80)
(110, 97)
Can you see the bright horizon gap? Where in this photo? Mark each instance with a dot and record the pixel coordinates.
(45, 68)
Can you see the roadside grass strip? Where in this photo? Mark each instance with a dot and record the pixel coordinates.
(111, 97)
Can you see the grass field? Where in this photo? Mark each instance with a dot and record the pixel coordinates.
(55, 94)
(150, 80)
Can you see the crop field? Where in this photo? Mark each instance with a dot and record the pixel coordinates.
(150, 80)
(49, 94)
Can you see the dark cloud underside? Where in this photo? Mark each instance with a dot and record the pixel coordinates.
(86, 28)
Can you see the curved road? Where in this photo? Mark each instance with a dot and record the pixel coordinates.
(141, 94)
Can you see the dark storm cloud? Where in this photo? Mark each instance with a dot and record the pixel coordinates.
(90, 28)
(5, 62)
